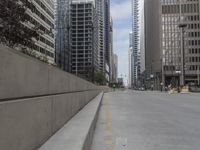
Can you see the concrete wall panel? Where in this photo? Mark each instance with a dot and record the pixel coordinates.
(25, 124)
(23, 76)
(20, 76)
(38, 99)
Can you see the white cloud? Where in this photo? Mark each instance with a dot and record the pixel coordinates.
(122, 10)
(121, 13)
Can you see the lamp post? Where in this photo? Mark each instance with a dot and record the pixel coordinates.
(178, 72)
(182, 27)
(198, 74)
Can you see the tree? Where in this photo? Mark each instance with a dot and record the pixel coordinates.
(13, 18)
(99, 78)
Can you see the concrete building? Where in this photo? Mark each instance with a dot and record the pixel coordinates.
(101, 34)
(104, 30)
(84, 38)
(138, 41)
(130, 61)
(141, 36)
(63, 52)
(115, 67)
(42, 18)
(135, 34)
(153, 65)
(111, 62)
(175, 13)
(107, 30)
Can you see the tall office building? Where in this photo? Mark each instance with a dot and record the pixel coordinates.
(141, 36)
(111, 50)
(135, 34)
(63, 52)
(100, 5)
(107, 30)
(84, 38)
(115, 67)
(138, 41)
(42, 18)
(175, 39)
(130, 61)
(153, 64)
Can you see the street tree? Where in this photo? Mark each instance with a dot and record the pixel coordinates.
(13, 20)
(99, 78)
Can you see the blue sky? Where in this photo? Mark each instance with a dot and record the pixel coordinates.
(121, 14)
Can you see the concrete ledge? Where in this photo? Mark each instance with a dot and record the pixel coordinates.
(77, 134)
(22, 76)
(28, 123)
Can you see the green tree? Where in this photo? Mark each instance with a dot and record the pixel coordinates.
(99, 78)
(13, 17)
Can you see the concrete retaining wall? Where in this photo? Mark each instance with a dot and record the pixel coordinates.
(23, 76)
(36, 100)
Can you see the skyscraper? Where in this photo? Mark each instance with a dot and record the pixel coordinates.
(63, 52)
(152, 74)
(180, 41)
(104, 49)
(135, 34)
(115, 67)
(111, 49)
(138, 41)
(43, 19)
(130, 61)
(84, 38)
(101, 34)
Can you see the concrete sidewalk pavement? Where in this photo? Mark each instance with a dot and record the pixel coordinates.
(148, 121)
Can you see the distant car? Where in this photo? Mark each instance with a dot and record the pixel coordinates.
(141, 89)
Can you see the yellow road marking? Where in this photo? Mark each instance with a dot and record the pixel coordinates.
(108, 138)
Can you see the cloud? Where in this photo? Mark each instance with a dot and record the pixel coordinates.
(121, 13)
(121, 10)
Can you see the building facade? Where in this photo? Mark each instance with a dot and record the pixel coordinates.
(153, 58)
(111, 50)
(83, 36)
(42, 19)
(135, 38)
(130, 61)
(180, 46)
(100, 5)
(115, 68)
(138, 42)
(63, 52)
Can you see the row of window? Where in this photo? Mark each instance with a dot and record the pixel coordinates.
(45, 8)
(194, 42)
(175, 8)
(194, 59)
(44, 18)
(42, 39)
(41, 50)
(194, 34)
(173, 68)
(194, 51)
(40, 27)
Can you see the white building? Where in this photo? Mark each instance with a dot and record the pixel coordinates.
(42, 19)
(138, 41)
(115, 68)
(141, 36)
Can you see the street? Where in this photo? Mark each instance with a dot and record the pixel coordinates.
(134, 120)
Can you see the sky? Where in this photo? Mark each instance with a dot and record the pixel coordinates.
(121, 14)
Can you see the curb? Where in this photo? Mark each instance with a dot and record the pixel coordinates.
(77, 134)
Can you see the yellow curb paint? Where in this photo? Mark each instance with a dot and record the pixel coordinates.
(108, 138)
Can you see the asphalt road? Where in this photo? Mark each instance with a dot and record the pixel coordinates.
(133, 120)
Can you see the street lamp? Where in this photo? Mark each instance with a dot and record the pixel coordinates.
(182, 27)
(178, 72)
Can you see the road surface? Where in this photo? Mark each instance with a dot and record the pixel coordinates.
(133, 120)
